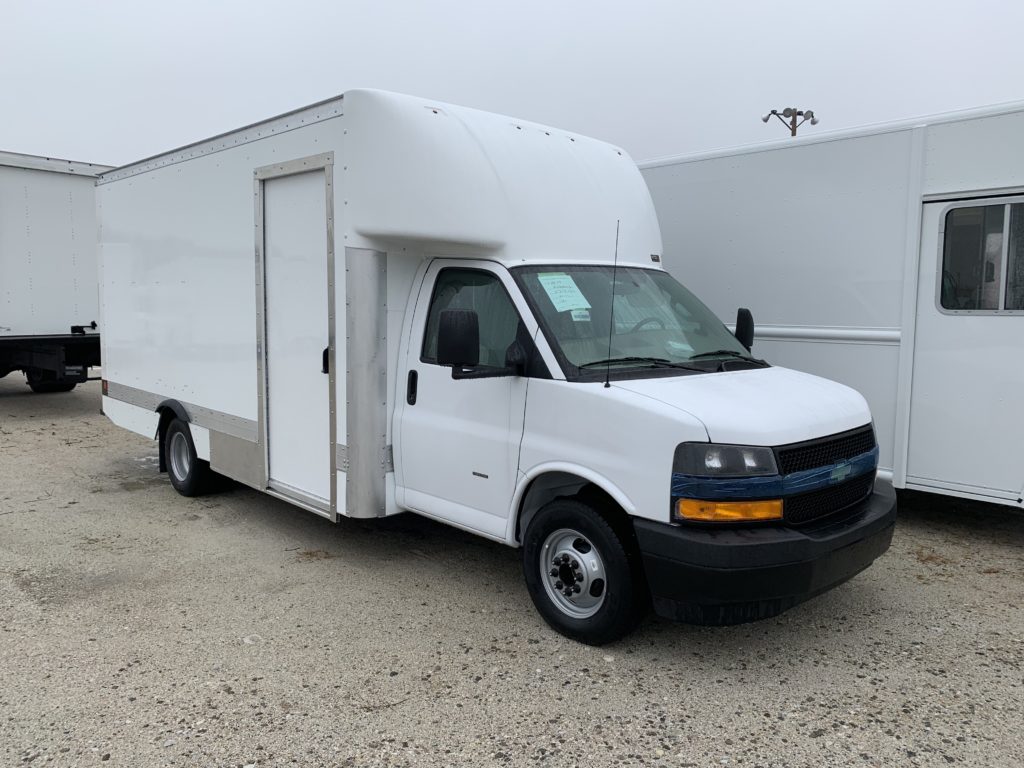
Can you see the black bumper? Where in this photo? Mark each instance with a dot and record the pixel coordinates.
(68, 356)
(733, 575)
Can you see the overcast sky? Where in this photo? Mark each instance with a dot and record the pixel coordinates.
(114, 81)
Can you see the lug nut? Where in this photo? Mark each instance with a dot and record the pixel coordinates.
(575, 565)
(568, 592)
(559, 585)
(576, 588)
(554, 572)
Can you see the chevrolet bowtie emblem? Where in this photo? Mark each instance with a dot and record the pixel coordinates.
(840, 472)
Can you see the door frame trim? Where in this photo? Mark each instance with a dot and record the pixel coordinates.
(313, 163)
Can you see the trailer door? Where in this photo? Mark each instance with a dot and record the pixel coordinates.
(967, 401)
(295, 237)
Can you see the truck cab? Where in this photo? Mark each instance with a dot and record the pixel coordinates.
(602, 418)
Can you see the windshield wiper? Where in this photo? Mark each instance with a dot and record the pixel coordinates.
(654, 361)
(728, 353)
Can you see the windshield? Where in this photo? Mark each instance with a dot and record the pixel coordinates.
(653, 319)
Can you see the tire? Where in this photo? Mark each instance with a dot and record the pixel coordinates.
(572, 544)
(189, 474)
(46, 382)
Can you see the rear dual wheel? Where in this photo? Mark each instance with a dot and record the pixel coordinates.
(46, 382)
(583, 572)
(190, 475)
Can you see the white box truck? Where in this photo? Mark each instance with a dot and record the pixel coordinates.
(381, 303)
(49, 298)
(889, 258)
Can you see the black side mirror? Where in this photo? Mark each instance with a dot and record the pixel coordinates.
(458, 338)
(744, 327)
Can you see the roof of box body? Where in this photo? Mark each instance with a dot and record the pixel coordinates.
(52, 164)
(421, 171)
(287, 121)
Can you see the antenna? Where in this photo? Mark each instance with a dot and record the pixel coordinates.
(611, 310)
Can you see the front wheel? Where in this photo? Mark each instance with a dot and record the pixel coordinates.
(189, 474)
(583, 573)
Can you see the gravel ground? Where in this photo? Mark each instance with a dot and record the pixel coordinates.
(140, 628)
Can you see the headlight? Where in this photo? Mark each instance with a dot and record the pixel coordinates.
(711, 460)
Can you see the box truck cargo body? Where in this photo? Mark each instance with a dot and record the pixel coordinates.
(890, 258)
(49, 297)
(380, 304)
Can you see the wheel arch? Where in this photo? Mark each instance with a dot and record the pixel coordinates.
(168, 410)
(556, 480)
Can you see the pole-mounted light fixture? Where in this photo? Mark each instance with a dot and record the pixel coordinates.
(792, 118)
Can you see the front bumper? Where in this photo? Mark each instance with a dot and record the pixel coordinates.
(707, 575)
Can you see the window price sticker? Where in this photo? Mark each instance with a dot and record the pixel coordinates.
(563, 291)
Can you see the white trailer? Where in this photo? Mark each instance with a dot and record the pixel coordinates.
(49, 298)
(890, 258)
(381, 303)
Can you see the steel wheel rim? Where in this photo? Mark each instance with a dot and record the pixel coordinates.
(569, 561)
(181, 461)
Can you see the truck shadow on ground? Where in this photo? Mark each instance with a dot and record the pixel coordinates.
(975, 521)
(428, 554)
(16, 399)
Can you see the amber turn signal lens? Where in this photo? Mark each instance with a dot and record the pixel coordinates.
(728, 511)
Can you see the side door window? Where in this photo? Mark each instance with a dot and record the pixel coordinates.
(983, 259)
(500, 325)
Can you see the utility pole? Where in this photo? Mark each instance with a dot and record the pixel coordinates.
(789, 116)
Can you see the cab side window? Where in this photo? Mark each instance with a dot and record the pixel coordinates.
(483, 293)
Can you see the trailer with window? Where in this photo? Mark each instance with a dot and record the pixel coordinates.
(380, 304)
(49, 299)
(890, 258)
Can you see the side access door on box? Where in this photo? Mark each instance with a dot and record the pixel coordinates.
(967, 394)
(295, 278)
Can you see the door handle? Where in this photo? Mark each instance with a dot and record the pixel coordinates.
(410, 388)
(326, 368)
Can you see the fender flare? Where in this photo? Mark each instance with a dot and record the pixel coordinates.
(565, 467)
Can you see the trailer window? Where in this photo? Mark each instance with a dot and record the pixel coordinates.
(483, 293)
(972, 258)
(1015, 255)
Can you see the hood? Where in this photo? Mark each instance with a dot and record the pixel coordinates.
(763, 406)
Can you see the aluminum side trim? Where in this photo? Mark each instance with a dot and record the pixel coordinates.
(241, 460)
(341, 458)
(235, 426)
(52, 164)
(366, 382)
(887, 336)
(289, 121)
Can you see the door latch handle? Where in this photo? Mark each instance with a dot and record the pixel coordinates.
(327, 361)
(410, 389)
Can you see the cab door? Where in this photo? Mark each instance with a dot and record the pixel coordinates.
(459, 439)
(967, 401)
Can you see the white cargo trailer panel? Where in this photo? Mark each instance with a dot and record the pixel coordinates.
(889, 258)
(49, 297)
(47, 245)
